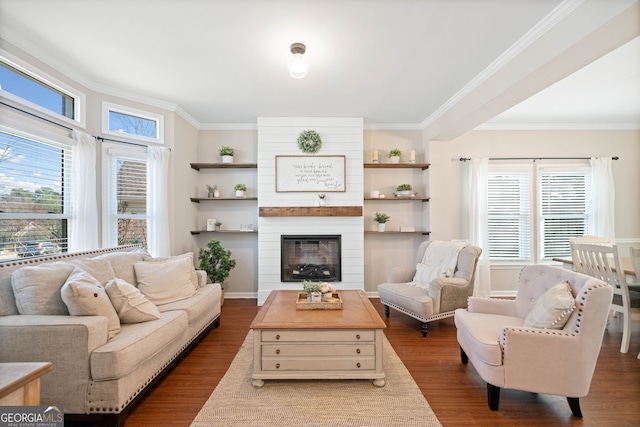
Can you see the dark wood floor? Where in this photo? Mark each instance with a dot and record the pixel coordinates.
(455, 392)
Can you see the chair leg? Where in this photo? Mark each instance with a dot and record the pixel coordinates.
(424, 329)
(493, 396)
(574, 404)
(626, 333)
(386, 311)
(463, 357)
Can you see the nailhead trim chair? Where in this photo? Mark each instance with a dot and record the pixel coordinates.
(433, 301)
(508, 355)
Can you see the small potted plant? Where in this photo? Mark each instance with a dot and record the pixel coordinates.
(312, 290)
(240, 189)
(394, 155)
(226, 153)
(404, 190)
(381, 219)
(216, 262)
(218, 224)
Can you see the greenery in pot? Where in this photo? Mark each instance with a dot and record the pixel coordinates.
(227, 151)
(240, 187)
(381, 218)
(404, 187)
(309, 287)
(216, 261)
(395, 153)
(217, 223)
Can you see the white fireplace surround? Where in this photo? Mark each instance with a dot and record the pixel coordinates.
(340, 136)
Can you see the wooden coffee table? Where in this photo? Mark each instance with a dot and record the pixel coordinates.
(317, 344)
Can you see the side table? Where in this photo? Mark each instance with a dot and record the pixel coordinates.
(20, 383)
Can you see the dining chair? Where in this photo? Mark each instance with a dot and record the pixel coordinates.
(603, 263)
(596, 240)
(635, 262)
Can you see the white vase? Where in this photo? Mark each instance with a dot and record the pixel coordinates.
(227, 159)
(239, 193)
(381, 226)
(320, 202)
(216, 193)
(394, 159)
(316, 296)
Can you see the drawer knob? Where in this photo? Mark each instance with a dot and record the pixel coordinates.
(278, 337)
(358, 364)
(358, 351)
(278, 365)
(278, 351)
(358, 336)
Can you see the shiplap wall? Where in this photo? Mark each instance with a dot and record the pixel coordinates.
(340, 136)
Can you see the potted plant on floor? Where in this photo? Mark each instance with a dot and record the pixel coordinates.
(240, 189)
(381, 219)
(226, 153)
(217, 263)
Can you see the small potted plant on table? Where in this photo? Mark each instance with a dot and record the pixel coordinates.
(313, 291)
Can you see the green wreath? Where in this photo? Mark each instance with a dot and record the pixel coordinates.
(309, 141)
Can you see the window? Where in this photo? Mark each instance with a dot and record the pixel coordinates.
(124, 121)
(33, 185)
(126, 197)
(28, 86)
(534, 210)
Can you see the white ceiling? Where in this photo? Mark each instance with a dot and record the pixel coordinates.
(445, 66)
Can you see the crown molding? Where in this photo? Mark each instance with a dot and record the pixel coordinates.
(393, 126)
(228, 126)
(559, 126)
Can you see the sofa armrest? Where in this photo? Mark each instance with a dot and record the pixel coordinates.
(65, 341)
(202, 278)
(448, 293)
(492, 306)
(400, 275)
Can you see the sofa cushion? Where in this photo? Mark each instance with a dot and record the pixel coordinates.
(85, 296)
(122, 263)
(409, 296)
(37, 288)
(130, 304)
(197, 306)
(135, 344)
(552, 309)
(165, 281)
(482, 334)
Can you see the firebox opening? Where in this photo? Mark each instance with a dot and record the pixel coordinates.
(311, 257)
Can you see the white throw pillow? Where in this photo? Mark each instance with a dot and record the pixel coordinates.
(165, 281)
(194, 275)
(130, 304)
(85, 296)
(552, 309)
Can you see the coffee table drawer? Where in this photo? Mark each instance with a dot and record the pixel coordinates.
(325, 364)
(286, 350)
(306, 335)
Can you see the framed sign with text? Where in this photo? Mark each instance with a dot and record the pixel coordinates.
(310, 173)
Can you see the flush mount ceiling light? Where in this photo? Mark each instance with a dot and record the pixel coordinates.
(297, 66)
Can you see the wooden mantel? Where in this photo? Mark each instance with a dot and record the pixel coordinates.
(311, 211)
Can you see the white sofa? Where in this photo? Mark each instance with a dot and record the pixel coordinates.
(94, 375)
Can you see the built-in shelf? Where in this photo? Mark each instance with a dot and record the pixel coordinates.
(422, 166)
(423, 233)
(398, 199)
(224, 231)
(310, 211)
(198, 166)
(198, 199)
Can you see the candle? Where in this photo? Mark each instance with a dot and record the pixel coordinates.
(374, 156)
(412, 156)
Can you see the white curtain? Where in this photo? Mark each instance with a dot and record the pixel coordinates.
(158, 202)
(478, 223)
(83, 225)
(602, 198)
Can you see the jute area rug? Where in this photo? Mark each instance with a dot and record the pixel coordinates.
(289, 403)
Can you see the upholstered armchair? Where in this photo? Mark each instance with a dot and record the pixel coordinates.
(525, 344)
(436, 299)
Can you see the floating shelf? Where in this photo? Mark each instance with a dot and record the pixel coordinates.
(198, 166)
(424, 233)
(422, 166)
(310, 211)
(398, 199)
(198, 199)
(224, 231)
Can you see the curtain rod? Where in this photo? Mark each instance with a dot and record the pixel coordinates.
(464, 159)
(99, 138)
